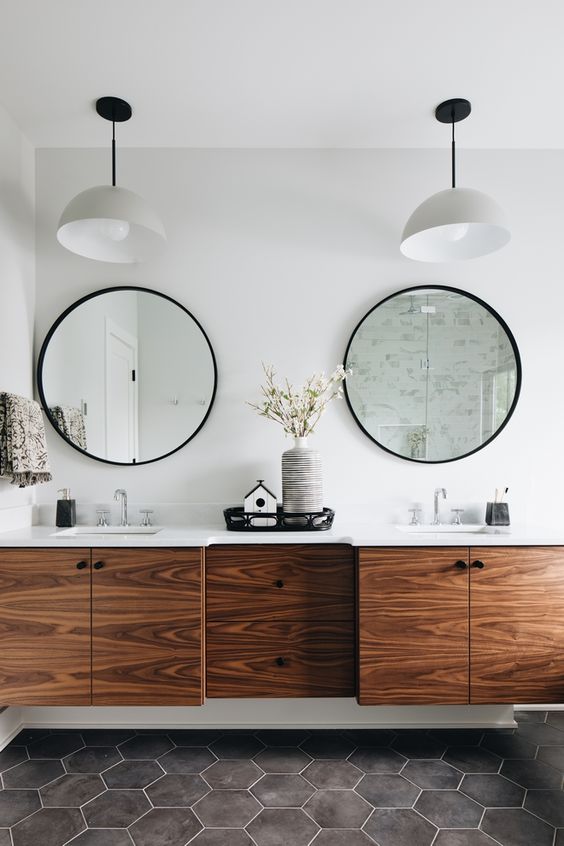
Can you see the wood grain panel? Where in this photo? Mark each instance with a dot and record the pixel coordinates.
(44, 627)
(147, 627)
(242, 659)
(517, 625)
(413, 626)
(317, 582)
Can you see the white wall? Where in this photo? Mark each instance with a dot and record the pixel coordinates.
(279, 254)
(17, 271)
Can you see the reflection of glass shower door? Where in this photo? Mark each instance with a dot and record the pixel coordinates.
(121, 394)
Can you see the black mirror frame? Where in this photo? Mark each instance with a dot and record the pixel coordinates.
(512, 341)
(43, 352)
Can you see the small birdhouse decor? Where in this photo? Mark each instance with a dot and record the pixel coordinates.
(260, 501)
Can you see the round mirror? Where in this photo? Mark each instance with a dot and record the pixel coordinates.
(127, 375)
(436, 374)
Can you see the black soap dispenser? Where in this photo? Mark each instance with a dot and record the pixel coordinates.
(66, 510)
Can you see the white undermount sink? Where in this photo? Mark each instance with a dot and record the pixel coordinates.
(443, 528)
(106, 530)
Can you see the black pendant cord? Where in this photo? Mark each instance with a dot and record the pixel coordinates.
(114, 153)
(453, 157)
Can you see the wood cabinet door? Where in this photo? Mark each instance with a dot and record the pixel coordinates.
(147, 626)
(45, 626)
(413, 626)
(280, 659)
(517, 624)
(302, 582)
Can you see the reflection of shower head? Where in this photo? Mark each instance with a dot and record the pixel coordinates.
(413, 309)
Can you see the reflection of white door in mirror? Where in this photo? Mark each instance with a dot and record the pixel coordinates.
(121, 394)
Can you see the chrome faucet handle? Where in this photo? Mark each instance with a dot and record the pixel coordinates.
(102, 517)
(146, 520)
(456, 521)
(415, 521)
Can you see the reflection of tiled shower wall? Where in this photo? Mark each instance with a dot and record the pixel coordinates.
(465, 349)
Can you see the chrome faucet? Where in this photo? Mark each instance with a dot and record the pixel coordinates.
(121, 495)
(438, 492)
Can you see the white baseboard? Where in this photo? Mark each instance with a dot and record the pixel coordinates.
(11, 724)
(272, 713)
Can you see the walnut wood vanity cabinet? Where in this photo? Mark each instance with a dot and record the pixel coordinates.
(101, 626)
(280, 620)
(447, 625)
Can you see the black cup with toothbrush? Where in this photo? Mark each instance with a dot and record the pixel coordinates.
(497, 512)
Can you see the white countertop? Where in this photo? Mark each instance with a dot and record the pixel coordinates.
(355, 534)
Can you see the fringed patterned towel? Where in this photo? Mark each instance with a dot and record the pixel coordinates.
(70, 421)
(23, 449)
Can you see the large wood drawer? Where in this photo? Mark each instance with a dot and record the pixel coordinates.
(280, 582)
(280, 659)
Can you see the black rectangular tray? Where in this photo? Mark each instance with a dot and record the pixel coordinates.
(239, 520)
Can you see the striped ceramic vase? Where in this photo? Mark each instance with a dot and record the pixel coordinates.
(302, 484)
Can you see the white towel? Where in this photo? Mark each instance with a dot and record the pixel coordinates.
(23, 449)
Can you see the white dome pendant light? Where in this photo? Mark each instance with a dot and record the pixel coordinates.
(107, 223)
(459, 223)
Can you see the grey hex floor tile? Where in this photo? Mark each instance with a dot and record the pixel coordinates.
(72, 790)
(282, 791)
(541, 733)
(227, 809)
(282, 759)
(103, 837)
(92, 759)
(132, 774)
(432, 775)
(530, 716)
(516, 827)
(12, 755)
(548, 805)
(282, 737)
(56, 746)
(469, 837)
(387, 791)
(416, 744)
(187, 759)
(492, 790)
(33, 774)
(115, 808)
(338, 809)
(400, 827)
(376, 759)
(553, 755)
(232, 774)
(5, 839)
(49, 826)
(165, 827)
(559, 837)
(15, 805)
(449, 809)
(177, 790)
(30, 736)
(509, 745)
(193, 737)
(143, 747)
(282, 826)
(534, 775)
(472, 759)
(555, 719)
(106, 737)
(327, 774)
(342, 837)
(237, 746)
(327, 744)
(222, 837)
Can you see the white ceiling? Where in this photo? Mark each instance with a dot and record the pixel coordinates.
(284, 73)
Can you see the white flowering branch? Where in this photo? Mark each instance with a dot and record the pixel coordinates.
(298, 411)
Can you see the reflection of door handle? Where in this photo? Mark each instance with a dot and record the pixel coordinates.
(84, 407)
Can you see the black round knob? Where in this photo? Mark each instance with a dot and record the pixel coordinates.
(478, 564)
(280, 661)
(461, 565)
(98, 565)
(279, 583)
(81, 565)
